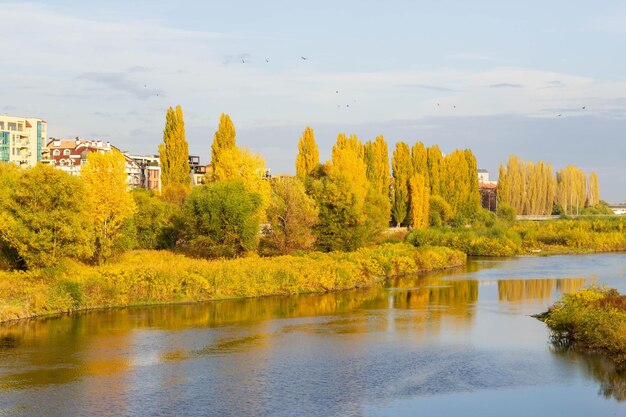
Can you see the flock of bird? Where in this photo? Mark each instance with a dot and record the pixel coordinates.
(303, 58)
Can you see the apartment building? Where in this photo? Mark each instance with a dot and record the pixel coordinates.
(22, 140)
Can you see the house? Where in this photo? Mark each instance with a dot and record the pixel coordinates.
(70, 154)
(22, 140)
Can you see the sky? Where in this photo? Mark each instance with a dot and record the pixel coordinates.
(492, 76)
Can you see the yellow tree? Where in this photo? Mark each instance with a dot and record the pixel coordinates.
(223, 142)
(174, 151)
(402, 170)
(571, 189)
(419, 155)
(455, 177)
(434, 159)
(504, 186)
(377, 163)
(594, 190)
(472, 202)
(420, 201)
(104, 176)
(308, 157)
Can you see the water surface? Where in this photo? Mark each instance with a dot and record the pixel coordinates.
(458, 343)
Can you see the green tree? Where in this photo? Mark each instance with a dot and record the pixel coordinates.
(440, 211)
(292, 215)
(402, 170)
(154, 222)
(110, 204)
(308, 157)
(220, 220)
(174, 152)
(43, 216)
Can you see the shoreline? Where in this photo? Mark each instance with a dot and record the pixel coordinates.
(175, 279)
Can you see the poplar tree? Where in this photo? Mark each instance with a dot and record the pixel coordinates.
(377, 161)
(594, 190)
(377, 164)
(223, 149)
(420, 201)
(231, 163)
(455, 177)
(174, 151)
(471, 204)
(419, 155)
(434, 160)
(402, 170)
(571, 189)
(308, 157)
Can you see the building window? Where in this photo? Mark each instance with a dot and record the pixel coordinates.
(1, 125)
(66, 152)
(12, 126)
(20, 127)
(56, 152)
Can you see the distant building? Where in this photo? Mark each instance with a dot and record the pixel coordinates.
(146, 172)
(488, 190)
(70, 154)
(488, 196)
(22, 140)
(197, 171)
(619, 209)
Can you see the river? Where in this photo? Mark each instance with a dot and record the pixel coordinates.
(459, 343)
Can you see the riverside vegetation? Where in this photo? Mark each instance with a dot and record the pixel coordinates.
(592, 319)
(86, 241)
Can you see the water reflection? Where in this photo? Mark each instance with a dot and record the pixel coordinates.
(611, 377)
(414, 336)
(531, 290)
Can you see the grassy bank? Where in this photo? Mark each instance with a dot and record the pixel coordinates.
(590, 320)
(583, 235)
(149, 277)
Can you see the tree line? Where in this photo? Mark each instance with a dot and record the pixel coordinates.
(534, 189)
(340, 204)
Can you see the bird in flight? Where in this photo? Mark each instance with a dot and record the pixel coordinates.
(303, 58)
(454, 106)
(558, 115)
(584, 107)
(267, 60)
(337, 92)
(437, 104)
(243, 61)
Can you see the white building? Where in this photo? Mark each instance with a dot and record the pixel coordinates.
(22, 140)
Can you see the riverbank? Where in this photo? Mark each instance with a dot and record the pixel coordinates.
(590, 320)
(553, 237)
(159, 277)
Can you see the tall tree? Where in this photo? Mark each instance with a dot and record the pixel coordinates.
(435, 163)
(594, 190)
(350, 207)
(308, 157)
(420, 201)
(455, 177)
(571, 189)
(174, 151)
(377, 162)
(232, 163)
(222, 148)
(110, 204)
(402, 170)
